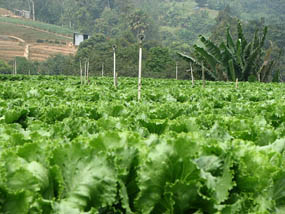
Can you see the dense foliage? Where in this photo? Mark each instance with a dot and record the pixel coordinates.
(231, 60)
(174, 24)
(4, 68)
(67, 148)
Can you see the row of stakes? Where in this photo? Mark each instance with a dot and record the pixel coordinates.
(84, 75)
(141, 37)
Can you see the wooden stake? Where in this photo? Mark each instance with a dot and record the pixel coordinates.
(192, 76)
(87, 76)
(114, 65)
(116, 80)
(85, 72)
(176, 71)
(236, 82)
(15, 67)
(102, 69)
(81, 79)
(203, 75)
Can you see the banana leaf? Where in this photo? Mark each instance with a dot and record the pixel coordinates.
(230, 41)
(241, 35)
(232, 70)
(239, 54)
(209, 58)
(212, 48)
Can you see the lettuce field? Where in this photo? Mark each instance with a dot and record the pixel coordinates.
(67, 148)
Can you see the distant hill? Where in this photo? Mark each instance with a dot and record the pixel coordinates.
(34, 40)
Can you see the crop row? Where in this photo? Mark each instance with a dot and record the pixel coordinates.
(68, 148)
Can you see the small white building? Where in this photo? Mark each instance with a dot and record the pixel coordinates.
(78, 38)
(23, 13)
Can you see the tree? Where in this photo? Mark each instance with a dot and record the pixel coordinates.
(58, 65)
(158, 59)
(4, 68)
(24, 66)
(139, 22)
(201, 3)
(235, 59)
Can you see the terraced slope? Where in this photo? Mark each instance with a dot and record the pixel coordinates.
(10, 48)
(30, 42)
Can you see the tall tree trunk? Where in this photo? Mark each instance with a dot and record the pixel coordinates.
(109, 4)
(33, 6)
(29, 4)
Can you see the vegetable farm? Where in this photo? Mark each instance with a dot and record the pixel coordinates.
(66, 148)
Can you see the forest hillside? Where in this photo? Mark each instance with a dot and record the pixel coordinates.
(169, 25)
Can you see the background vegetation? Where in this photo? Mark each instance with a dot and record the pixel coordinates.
(169, 26)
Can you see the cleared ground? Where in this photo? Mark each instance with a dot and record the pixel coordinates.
(32, 43)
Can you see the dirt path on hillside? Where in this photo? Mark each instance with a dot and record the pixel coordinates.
(33, 51)
(27, 47)
(17, 38)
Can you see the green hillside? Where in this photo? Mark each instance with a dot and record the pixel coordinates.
(169, 26)
(38, 25)
(29, 34)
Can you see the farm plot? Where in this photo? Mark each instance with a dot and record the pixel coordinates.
(69, 149)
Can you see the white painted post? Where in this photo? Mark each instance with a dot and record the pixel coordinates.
(102, 69)
(114, 65)
(192, 76)
(176, 71)
(141, 38)
(116, 79)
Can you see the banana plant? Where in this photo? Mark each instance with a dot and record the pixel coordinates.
(233, 60)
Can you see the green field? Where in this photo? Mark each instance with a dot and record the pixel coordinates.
(70, 149)
(27, 34)
(38, 25)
